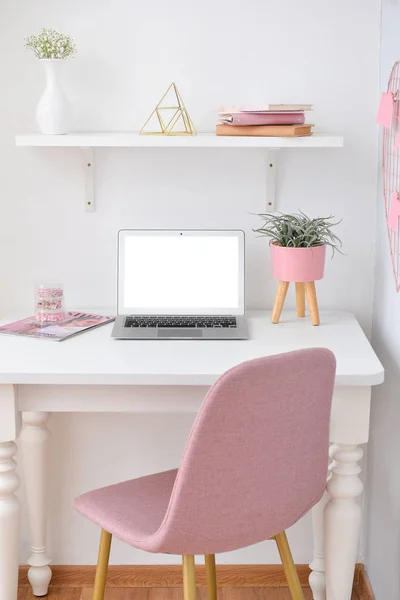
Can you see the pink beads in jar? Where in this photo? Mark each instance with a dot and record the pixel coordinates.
(49, 303)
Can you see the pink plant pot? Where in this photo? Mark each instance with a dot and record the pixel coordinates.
(298, 264)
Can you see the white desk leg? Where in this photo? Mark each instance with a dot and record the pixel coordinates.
(9, 522)
(317, 579)
(35, 438)
(10, 512)
(317, 576)
(342, 521)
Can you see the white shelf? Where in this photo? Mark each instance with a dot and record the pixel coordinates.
(88, 141)
(202, 140)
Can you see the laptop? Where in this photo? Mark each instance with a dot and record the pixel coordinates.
(180, 284)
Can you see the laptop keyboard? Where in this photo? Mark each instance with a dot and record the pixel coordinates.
(180, 322)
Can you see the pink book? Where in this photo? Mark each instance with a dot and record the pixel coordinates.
(243, 119)
(263, 108)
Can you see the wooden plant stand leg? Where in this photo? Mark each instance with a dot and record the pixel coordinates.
(283, 287)
(300, 300)
(312, 302)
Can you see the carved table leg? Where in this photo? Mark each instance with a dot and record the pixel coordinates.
(9, 522)
(317, 576)
(342, 521)
(35, 438)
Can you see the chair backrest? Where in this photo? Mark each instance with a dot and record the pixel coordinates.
(257, 456)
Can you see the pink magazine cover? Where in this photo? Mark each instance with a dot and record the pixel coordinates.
(74, 323)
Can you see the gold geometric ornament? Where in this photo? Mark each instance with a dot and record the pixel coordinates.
(169, 117)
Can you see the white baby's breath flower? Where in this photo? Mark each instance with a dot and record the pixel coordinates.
(51, 44)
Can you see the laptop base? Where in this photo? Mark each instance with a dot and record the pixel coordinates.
(121, 332)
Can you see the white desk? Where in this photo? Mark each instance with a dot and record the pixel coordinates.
(94, 373)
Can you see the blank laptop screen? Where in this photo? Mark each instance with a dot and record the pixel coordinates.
(181, 273)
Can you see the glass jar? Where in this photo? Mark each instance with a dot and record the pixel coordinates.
(49, 303)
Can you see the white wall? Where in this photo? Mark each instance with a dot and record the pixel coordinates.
(383, 494)
(217, 52)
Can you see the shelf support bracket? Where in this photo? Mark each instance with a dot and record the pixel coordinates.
(88, 167)
(272, 157)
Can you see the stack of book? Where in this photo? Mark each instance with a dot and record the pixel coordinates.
(272, 120)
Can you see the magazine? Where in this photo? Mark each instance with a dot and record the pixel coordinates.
(74, 323)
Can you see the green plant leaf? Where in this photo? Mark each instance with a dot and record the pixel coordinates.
(300, 230)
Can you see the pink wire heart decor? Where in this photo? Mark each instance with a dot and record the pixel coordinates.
(391, 167)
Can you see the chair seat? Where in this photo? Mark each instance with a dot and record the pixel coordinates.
(132, 510)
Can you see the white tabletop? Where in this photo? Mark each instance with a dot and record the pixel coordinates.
(94, 358)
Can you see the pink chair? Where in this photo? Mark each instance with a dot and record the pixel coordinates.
(255, 462)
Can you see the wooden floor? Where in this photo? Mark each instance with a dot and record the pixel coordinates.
(247, 593)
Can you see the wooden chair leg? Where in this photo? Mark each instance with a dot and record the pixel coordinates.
(283, 287)
(300, 300)
(312, 302)
(289, 566)
(189, 577)
(211, 576)
(102, 565)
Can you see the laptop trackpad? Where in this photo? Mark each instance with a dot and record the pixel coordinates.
(179, 333)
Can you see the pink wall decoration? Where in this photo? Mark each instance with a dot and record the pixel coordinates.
(389, 117)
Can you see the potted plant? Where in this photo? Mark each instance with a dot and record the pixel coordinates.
(52, 48)
(298, 248)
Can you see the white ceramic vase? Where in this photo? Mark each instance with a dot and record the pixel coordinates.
(53, 112)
